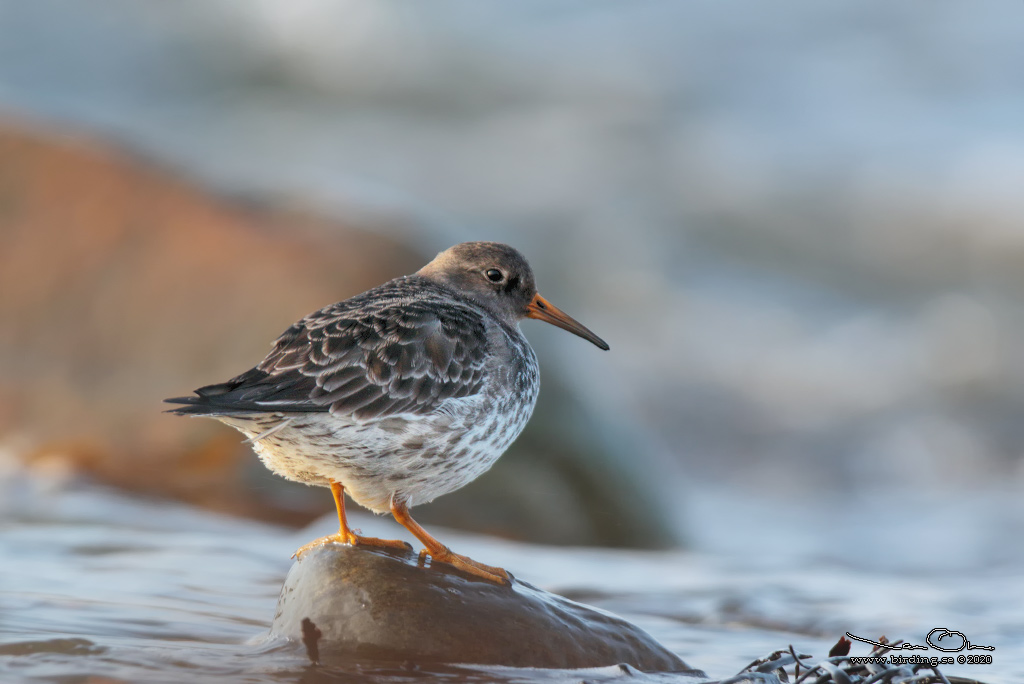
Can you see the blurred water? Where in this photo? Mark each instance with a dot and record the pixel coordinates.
(94, 584)
(797, 224)
(808, 214)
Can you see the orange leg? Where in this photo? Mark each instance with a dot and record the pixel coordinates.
(345, 535)
(440, 552)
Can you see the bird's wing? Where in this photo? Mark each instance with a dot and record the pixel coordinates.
(368, 361)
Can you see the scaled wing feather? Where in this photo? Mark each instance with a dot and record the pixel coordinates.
(376, 355)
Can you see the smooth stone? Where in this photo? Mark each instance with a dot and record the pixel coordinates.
(377, 605)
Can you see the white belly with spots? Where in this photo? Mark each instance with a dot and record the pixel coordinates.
(411, 458)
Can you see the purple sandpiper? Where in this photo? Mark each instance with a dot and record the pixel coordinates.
(401, 394)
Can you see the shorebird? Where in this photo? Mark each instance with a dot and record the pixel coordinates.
(401, 394)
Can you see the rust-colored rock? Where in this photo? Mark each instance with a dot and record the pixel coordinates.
(121, 284)
(370, 604)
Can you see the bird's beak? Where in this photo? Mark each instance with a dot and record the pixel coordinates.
(543, 310)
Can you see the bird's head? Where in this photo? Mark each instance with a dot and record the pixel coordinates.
(500, 279)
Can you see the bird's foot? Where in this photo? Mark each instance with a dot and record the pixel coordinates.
(353, 539)
(329, 539)
(466, 564)
(359, 540)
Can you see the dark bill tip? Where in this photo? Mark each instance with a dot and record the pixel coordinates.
(543, 310)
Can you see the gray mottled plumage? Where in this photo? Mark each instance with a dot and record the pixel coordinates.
(405, 392)
(401, 348)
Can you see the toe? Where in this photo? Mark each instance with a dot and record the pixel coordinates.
(335, 538)
(357, 540)
(472, 567)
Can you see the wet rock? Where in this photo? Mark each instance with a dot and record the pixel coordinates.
(345, 604)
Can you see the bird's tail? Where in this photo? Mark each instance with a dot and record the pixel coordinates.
(198, 406)
(212, 400)
(254, 391)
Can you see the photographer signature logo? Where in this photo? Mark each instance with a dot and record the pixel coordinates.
(934, 639)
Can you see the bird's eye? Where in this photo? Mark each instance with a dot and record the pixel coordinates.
(494, 275)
